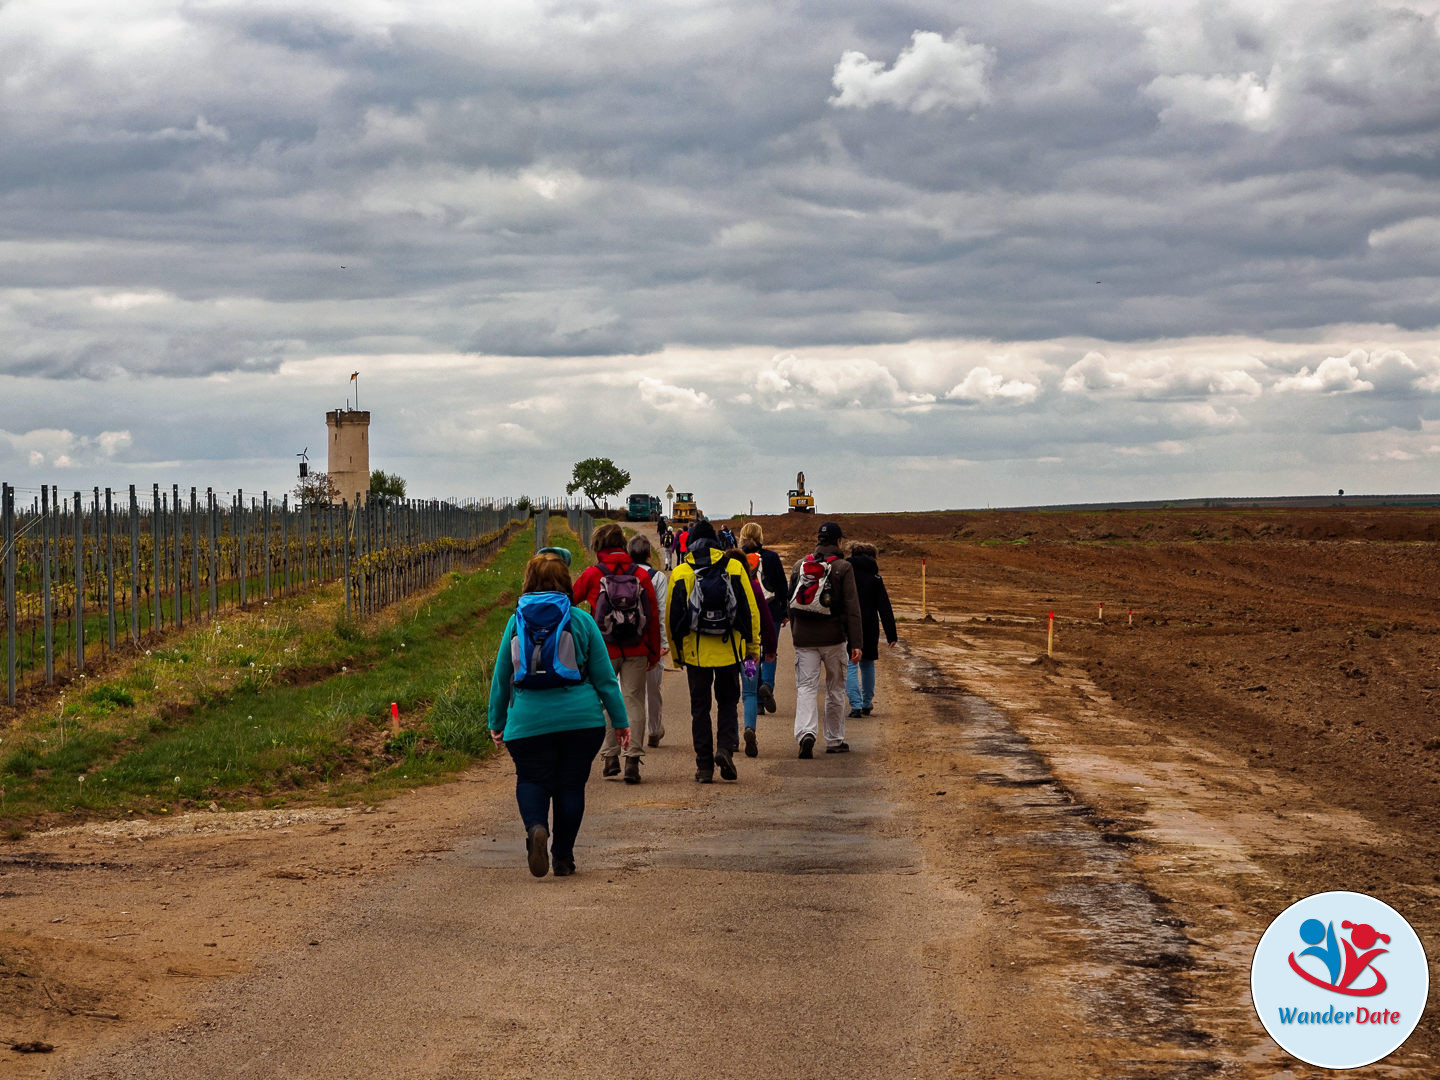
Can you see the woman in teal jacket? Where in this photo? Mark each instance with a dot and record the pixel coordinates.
(547, 707)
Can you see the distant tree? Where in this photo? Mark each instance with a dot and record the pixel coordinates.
(317, 489)
(387, 487)
(598, 478)
(524, 505)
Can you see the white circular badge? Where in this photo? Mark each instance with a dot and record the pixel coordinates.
(1339, 980)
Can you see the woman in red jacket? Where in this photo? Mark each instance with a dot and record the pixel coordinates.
(622, 599)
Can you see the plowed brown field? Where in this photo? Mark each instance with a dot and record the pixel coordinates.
(1265, 725)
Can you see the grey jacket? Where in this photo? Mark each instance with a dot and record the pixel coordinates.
(842, 625)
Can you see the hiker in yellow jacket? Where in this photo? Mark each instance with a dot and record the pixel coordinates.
(714, 628)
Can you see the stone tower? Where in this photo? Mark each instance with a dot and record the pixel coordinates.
(348, 433)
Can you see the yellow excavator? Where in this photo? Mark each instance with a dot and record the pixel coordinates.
(801, 501)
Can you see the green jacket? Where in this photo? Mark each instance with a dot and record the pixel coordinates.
(520, 713)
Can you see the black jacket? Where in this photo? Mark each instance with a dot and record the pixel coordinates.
(874, 606)
(772, 576)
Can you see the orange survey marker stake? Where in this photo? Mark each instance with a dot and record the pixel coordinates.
(1130, 617)
(1102, 610)
(1050, 643)
(923, 611)
(394, 718)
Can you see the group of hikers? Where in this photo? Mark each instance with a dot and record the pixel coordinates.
(569, 685)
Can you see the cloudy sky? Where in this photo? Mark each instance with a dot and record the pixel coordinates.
(933, 254)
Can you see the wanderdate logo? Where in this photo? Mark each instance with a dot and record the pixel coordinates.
(1317, 958)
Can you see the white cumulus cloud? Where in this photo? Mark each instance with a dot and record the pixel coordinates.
(1333, 375)
(851, 382)
(982, 384)
(63, 449)
(932, 72)
(667, 398)
(1162, 378)
(1244, 99)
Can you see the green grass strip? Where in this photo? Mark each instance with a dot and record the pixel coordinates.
(250, 736)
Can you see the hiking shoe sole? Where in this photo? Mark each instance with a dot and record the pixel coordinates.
(611, 767)
(727, 765)
(766, 697)
(751, 749)
(537, 848)
(807, 746)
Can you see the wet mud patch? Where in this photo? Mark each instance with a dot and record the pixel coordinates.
(42, 861)
(1133, 952)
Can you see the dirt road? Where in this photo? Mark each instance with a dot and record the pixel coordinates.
(786, 925)
(1018, 872)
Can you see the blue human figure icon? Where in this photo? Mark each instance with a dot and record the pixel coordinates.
(1313, 932)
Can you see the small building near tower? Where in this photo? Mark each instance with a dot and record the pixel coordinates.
(348, 437)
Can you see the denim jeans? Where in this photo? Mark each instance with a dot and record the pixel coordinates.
(554, 768)
(860, 684)
(750, 690)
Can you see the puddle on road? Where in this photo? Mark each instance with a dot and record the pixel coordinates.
(1134, 948)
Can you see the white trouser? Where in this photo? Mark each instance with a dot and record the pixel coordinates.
(809, 662)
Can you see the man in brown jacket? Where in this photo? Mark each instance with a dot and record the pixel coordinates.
(825, 628)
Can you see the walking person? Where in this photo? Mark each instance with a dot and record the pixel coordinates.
(749, 670)
(623, 603)
(712, 620)
(640, 553)
(825, 629)
(552, 689)
(774, 592)
(875, 613)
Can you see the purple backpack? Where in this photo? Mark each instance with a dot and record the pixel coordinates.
(620, 607)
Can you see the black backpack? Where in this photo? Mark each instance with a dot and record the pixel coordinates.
(712, 606)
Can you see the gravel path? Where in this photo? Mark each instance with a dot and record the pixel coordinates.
(777, 926)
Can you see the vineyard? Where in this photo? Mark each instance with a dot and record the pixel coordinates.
(87, 577)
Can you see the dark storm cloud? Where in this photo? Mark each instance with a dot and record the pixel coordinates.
(721, 178)
(245, 188)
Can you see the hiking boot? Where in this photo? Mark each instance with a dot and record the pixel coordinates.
(751, 750)
(705, 776)
(866, 711)
(537, 842)
(766, 696)
(855, 714)
(807, 745)
(838, 748)
(611, 767)
(564, 868)
(632, 770)
(655, 741)
(727, 765)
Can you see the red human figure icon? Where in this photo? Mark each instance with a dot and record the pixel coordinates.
(1363, 935)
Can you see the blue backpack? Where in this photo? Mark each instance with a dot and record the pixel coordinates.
(543, 648)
